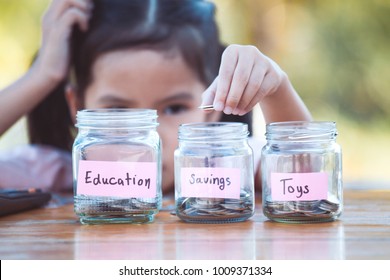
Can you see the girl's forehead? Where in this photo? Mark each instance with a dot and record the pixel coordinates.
(139, 54)
(146, 66)
(142, 76)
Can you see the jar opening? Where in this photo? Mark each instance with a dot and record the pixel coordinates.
(301, 131)
(213, 131)
(116, 118)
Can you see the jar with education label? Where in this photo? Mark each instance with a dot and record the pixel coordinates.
(214, 181)
(301, 169)
(117, 166)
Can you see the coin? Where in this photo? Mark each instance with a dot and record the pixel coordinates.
(287, 209)
(207, 107)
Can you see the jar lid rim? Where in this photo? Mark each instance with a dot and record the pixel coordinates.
(116, 117)
(116, 111)
(213, 131)
(302, 123)
(301, 130)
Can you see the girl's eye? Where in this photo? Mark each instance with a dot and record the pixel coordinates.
(175, 109)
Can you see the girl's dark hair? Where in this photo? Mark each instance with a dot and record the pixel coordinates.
(187, 26)
(50, 122)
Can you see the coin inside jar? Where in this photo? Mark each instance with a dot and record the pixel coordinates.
(215, 207)
(317, 208)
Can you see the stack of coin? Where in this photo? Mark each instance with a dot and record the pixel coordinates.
(290, 209)
(218, 207)
(114, 205)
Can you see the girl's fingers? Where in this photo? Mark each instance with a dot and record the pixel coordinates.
(226, 72)
(270, 83)
(255, 80)
(208, 95)
(59, 8)
(239, 82)
(64, 26)
(52, 12)
(75, 16)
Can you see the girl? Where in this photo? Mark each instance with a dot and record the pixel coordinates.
(159, 54)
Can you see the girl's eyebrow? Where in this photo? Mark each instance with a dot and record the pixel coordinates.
(184, 96)
(114, 99)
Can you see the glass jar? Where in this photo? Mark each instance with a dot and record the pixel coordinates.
(302, 172)
(214, 181)
(117, 166)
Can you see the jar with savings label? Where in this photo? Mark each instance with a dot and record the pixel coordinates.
(214, 181)
(302, 172)
(117, 166)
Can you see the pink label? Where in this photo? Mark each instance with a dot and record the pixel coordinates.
(118, 179)
(299, 186)
(211, 182)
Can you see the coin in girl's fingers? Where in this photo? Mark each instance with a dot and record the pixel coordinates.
(207, 107)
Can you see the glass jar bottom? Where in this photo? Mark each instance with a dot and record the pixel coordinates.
(113, 210)
(315, 211)
(214, 219)
(301, 219)
(115, 219)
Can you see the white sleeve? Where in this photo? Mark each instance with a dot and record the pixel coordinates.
(36, 166)
(256, 145)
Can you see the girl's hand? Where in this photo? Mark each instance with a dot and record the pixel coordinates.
(245, 77)
(57, 23)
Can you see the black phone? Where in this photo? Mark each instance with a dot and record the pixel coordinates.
(14, 201)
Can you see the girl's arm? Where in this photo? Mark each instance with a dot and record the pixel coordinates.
(22, 96)
(51, 65)
(284, 104)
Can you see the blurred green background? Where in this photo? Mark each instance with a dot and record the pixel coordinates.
(336, 53)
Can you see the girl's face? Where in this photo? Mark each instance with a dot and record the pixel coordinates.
(154, 80)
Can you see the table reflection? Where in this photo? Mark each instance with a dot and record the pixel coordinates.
(216, 241)
(109, 242)
(302, 242)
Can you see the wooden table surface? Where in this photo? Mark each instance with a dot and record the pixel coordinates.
(363, 232)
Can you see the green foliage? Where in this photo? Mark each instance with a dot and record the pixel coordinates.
(352, 40)
(19, 36)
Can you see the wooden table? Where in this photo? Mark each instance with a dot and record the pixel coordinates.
(363, 232)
